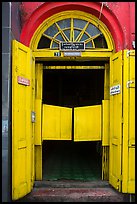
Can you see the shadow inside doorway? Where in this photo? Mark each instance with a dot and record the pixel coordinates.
(71, 160)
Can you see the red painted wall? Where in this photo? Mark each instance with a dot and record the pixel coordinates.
(119, 17)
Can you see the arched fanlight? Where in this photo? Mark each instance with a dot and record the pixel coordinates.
(72, 30)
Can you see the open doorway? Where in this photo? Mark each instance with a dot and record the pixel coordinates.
(68, 160)
(72, 88)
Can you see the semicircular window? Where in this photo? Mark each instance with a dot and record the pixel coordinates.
(72, 30)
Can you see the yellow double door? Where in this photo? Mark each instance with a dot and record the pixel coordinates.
(118, 133)
(60, 123)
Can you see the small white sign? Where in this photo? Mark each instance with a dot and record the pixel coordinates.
(115, 89)
(23, 81)
(67, 46)
(72, 54)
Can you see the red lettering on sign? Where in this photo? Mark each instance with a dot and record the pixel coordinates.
(23, 81)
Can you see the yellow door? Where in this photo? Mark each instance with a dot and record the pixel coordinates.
(128, 172)
(23, 116)
(56, 123)
(116, 120)
(87, 123)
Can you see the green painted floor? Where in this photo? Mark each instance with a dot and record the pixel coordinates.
(71, 160)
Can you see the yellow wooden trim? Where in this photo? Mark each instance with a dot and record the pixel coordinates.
(106, 82)
(88, 40)
(71, 14)
(105, 163)
(38, 102)
(45, 55)
(38, 122)
(105, 123)
(125, 125)
(38, 162)
(73, 67)
(39, 80)
(82, 32)
(71, 30)
(62, 33)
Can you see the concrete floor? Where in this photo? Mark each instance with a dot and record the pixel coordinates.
(72, 173)
(73, 191)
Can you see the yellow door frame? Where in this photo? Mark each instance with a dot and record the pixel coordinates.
(103, 118)
(127, 177)
(38, 111)
(88, 54)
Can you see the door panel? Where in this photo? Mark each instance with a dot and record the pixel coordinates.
(131, 144)
(56, 123)
(32, 102)
(128, 183)
(87, 123)
(115, 120)
(22, 127)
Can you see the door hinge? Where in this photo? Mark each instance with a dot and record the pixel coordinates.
(33, 117)
(121, 177)
(129, 82)
(119, 182)
(131, 146)
(128, 53)
(122, 120)
(122, 62)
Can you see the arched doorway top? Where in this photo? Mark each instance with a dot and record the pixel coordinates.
(72, 27)
(46, 10)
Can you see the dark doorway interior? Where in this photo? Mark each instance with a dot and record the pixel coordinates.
(73, 88)
(71, 160)
(68, 159)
